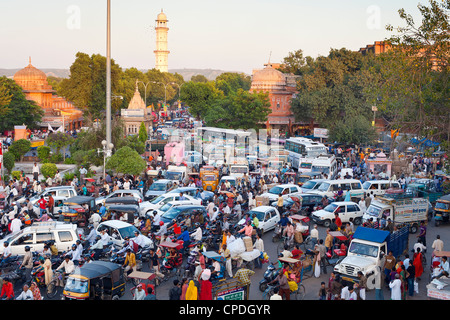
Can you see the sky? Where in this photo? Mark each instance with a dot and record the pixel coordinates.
(232, 35)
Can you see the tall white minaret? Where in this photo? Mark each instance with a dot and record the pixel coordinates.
(161, 52)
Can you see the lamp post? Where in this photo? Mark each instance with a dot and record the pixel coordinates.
(108, 73)
(107, 151)
(165, 90)
(145, 88)
(179, 89)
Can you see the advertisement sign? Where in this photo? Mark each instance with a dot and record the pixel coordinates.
(320, 133)
(232, 294)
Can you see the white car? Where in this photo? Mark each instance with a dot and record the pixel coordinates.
(345, 209)
(268, 217)
(119, 230)
(35, 236)
(122, 193)
(163, 199)
(169, 205)
(286, 190)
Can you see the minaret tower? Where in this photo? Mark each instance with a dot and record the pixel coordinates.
(161, 52)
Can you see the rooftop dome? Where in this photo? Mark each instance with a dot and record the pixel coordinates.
(136, 102)
(30, 73)
(268, 79)
(162, 16)
(32, 79)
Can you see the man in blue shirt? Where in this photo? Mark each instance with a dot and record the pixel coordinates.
(102, 210)
(185, 237)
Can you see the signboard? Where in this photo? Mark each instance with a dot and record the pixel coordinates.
(320, 133)
(232, 294)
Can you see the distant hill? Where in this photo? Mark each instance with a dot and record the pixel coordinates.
(210, 74)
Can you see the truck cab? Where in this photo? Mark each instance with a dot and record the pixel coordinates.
(367, 253)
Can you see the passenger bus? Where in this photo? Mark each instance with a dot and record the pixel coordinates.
(302, 151)
(326, 164)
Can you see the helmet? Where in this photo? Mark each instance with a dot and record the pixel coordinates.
(161, 223)
(27, 248)
(197, 224)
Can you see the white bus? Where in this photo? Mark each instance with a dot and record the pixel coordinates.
(302, 151)
(326, 164)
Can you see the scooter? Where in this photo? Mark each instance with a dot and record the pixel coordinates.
(269, 275)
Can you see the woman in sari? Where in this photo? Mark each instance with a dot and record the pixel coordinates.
(36, 291)
(191, 291)
(417, 262)
(184, 286)
(48, 272)
(205, 286)
(147, 227)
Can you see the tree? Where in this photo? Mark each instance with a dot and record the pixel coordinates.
(59, 140)
(8, 161)
(240, 110)
(15, 109)
(231, 82)
(295, 63)
(43, 152)
(143, 135)
(199, 97)
(199, 78)
(353, 130)
(126, 161)
(49, 170)
(19, 148)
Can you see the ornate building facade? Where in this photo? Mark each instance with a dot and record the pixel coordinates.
(135, 114)
(57, 111)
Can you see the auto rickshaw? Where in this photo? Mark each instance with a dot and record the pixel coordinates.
(144, 279)
(97, 280)
(209, 176)
(77, 210)
(442, 210)
(90, 185)
(119, 206)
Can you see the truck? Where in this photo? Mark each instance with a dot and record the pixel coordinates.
(403, 209)
(176, 173)
(367, 251)
(426, 188)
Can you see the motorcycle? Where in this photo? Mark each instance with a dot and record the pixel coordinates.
(189, 268)
(269, 275)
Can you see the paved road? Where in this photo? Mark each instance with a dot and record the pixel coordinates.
(312, 284)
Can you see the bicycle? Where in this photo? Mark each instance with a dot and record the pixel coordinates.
(52, 288)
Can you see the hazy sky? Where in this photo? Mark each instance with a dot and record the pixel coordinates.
(229, 35)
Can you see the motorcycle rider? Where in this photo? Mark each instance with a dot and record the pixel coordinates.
(198, 233)
(27, 263)
(6, 256)
(97, 247)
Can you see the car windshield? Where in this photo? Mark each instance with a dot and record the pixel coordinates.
(74, 285)
(259, 214)
(171, 213)
(366, 185)
(157, 187)
(324, 186)
(363, 249)
(322, 169)
(442, 205)
(306, 165)
(330, 207)
(309, 185)
(171, 175)
(166, 207)
(128, 231)
(157, 200)
(239, 170)
(209, 177)
(304, 179)
(276, 190)
(373, 211)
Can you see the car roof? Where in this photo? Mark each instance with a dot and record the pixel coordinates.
(115, 223)
(343, 202)
(165, 181)
(262, 208)
(188, 206)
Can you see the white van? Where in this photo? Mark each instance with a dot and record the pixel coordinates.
(35, 236)
(379, 187)
(330, 187)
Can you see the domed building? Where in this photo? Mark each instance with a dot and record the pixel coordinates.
(281, 89)
(57, 111)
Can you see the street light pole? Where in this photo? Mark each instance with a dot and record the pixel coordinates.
(108, 74)
(145, 88)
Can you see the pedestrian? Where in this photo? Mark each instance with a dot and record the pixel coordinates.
(191, 291)
(423, 233)
(227, 255)
(275, 295)
(35, 172)
(139, 293)
(205, 286)
(322, 291)
(243, 276)
(418, 263)
(438, 244)
(395, 286)
(314, 236)
(184, 286)
(285, 290)
(258, 245)
(389, 264)
(362, 285)
(335, 287)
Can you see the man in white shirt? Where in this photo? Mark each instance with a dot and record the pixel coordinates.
(139, 239)
(345, 293)
(197, 234)
(95, 219)
(16, 224)
(438, 244)
(68, 266)
(210, 209)
(25, 294)
(126, 185)
(314, 235)
(36, 171)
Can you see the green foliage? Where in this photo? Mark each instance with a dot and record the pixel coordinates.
(19, 148)
(353, 130)
(240, 110)
(199, 97)
(56, 158)
(59, 140)
(231, 82)
(43, 152)
(8, 161)
(69, 161)
(126, 161)
(16, 174)
(48, 170)
(199, 78)
(69, 176)
(15, 109)
(143, 133)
